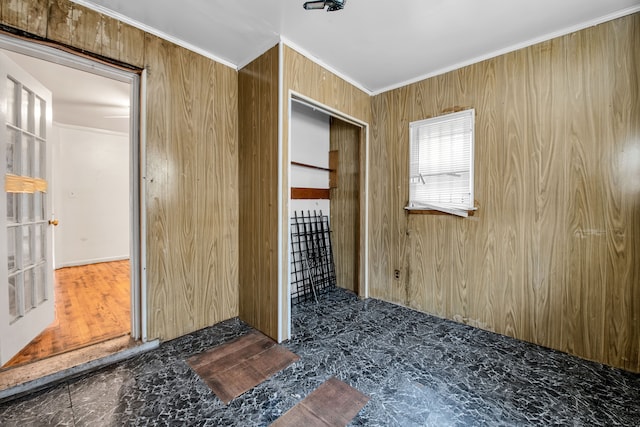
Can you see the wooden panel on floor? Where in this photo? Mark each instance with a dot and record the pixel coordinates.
(236, 367)
(93, 304)
(229, 355)
(334, 403)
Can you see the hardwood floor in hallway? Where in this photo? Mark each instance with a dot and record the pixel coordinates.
(92, 305)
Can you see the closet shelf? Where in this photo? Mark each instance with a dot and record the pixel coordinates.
(304, 165)
(332, 169)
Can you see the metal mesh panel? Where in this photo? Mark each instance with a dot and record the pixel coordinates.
(312, 268)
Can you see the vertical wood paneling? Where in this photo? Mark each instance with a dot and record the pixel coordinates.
(130, 40)
(226, 252)
(483, 290)
(192, 198)
(181, 225)
(60, 25)
(424, 261)
(258, 187)
(587, 241)
(466, 230)
(86, 29)
(90, 31)
(512, 157)
(379, 282)
(551, 255)
(398, 218)
(544, 293)
(345, 204)
(161, 317)
(27, 15)
(192, 162)
(622, 305)
(121, 41)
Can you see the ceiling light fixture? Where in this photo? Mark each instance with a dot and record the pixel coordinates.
(331, 5)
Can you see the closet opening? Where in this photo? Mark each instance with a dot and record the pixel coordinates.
(327, 206)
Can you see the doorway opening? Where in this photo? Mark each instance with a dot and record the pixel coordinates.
(327, 182)
(93, 195)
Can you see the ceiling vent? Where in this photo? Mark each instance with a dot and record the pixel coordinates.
(330, 4)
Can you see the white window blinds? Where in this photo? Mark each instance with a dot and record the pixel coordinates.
(441, 163)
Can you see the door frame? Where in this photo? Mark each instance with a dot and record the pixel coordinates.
(137, 83)
(284, 318)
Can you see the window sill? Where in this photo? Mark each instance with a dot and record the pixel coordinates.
(434, 212)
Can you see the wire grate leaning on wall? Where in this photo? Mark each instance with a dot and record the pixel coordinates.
(312, 267)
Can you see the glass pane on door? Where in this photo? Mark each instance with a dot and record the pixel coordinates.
(38, 208)
(12, 142)
(28, 290)
(12, 208)
(26, 116)
(40, 284)
(42, 246)
(26, 155)
(39, 117)
(12, 253)
(40, 214)
(13, 298)
(42, 161)
(12, 102)
(26, 247)
(39, 236)
(26, 207)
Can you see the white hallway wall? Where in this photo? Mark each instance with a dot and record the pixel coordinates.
(90, 195)
(309, 145)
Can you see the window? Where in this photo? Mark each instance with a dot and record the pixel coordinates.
(441, 163)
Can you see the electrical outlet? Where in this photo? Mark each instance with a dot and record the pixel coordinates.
(396, 274)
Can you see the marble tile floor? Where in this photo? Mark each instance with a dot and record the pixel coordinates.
(418, 370)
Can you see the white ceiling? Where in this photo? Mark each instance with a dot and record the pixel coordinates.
(80, 98)
(376, 44)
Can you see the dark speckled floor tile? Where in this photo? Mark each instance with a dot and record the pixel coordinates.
(418, 370)
(51, 407)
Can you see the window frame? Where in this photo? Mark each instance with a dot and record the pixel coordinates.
(435, 209)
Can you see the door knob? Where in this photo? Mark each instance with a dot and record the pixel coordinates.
(53, 222)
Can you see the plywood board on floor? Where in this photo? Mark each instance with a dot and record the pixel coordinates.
(334, 403)
(236, 367)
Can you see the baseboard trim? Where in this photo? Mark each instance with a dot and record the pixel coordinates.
(91, 261)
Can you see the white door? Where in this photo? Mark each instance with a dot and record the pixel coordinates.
(26, 272)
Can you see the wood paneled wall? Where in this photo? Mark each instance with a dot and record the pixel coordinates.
(553, 254)
(258, 112)
(72, 25)
(345, 204)
(191, 161)
(313, 81)
(192, 190)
